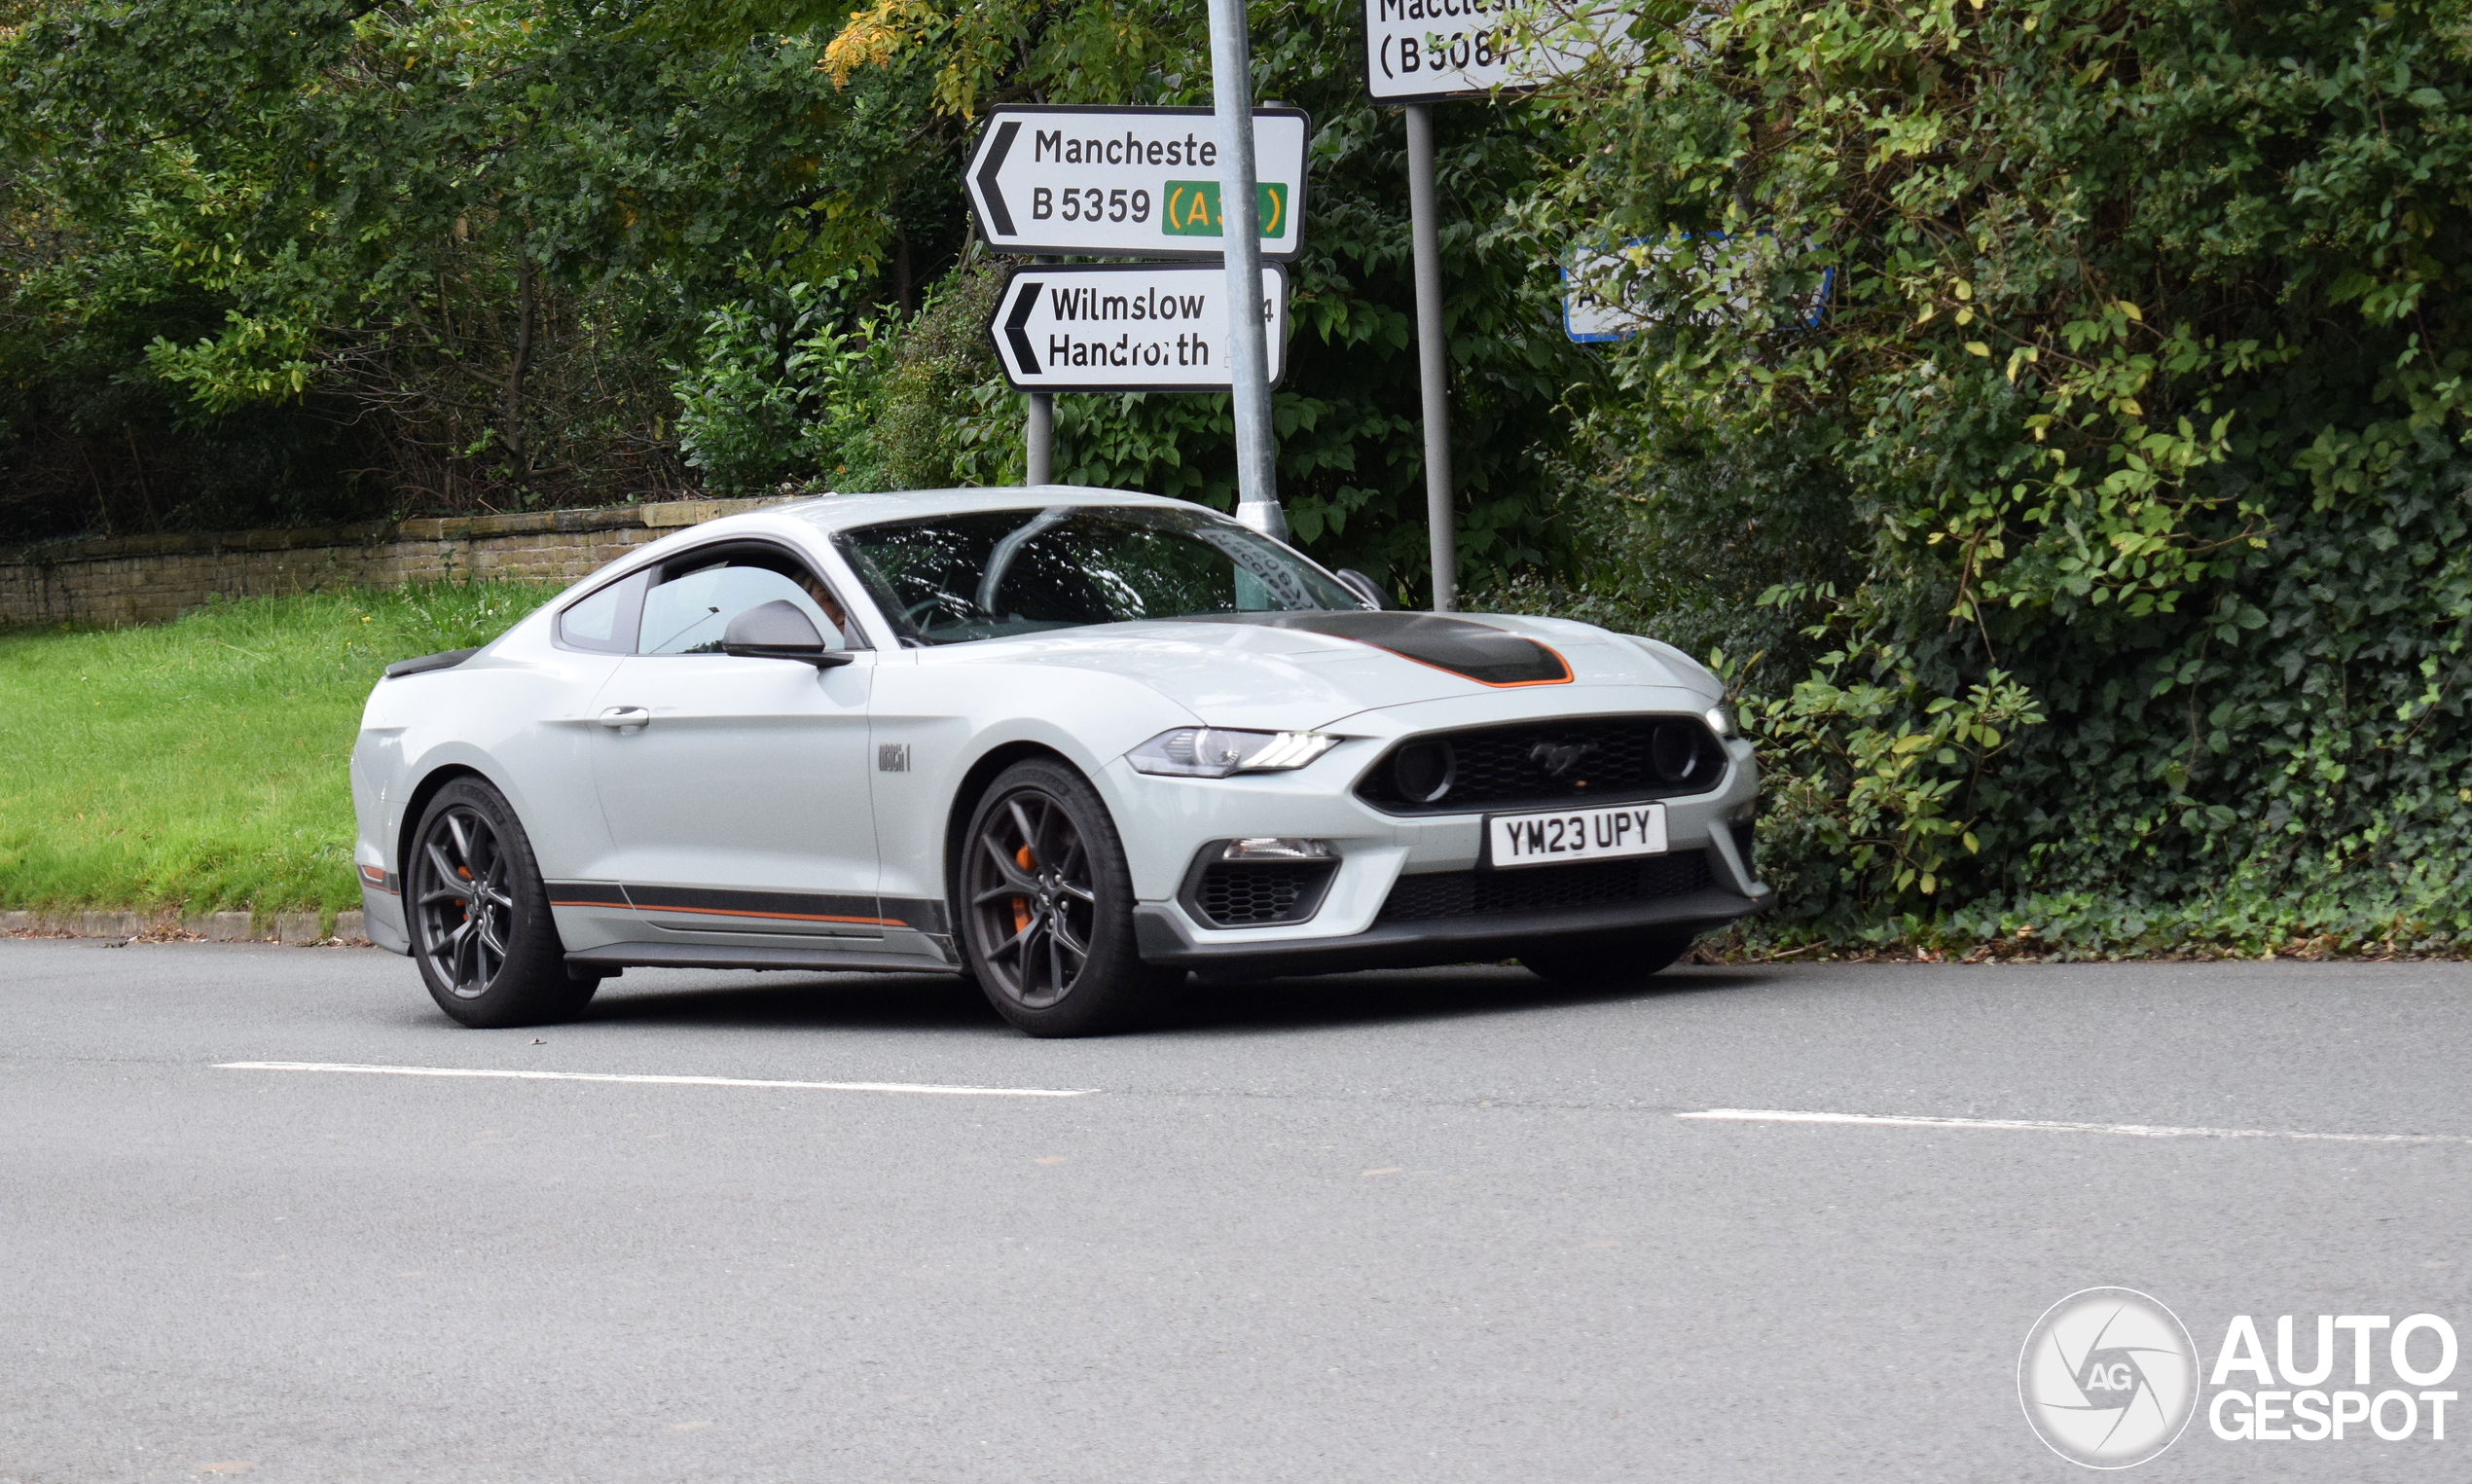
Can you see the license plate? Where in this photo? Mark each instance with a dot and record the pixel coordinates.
(1574, 834)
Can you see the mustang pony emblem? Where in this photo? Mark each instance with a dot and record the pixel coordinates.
(1559, 758)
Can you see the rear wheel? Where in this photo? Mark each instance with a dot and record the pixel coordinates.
(1605, 965)
(1048, 906)
(480, 919)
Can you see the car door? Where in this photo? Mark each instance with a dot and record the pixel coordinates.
(735, 790)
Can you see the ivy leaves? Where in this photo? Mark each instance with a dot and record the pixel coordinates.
(2143, 377)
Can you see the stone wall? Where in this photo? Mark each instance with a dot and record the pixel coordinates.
(168, 927)
(108, 581)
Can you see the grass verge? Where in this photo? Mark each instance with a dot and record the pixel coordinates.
(203, 764)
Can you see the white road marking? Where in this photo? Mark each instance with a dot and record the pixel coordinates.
(2029, 1125)
(929, 1088)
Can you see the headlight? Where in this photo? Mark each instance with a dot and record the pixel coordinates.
(1215, 752)
(1721, 720)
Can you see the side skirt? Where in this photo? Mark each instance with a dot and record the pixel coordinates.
(756, 956)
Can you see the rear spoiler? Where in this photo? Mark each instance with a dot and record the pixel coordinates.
(443, 660)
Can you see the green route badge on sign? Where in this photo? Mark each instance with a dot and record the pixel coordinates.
(1192, 209)
(1128, 181)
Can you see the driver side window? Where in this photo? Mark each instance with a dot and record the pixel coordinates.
(691, 609)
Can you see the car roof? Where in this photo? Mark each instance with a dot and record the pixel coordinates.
(842, 512)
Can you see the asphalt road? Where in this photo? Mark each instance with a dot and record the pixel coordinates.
(1430, 1226)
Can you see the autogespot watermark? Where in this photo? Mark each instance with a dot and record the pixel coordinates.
(2109, 1378)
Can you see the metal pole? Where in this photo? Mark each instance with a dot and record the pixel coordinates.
(1249, 349)
(1043, 439)
(1038, 466)
(1431, 355)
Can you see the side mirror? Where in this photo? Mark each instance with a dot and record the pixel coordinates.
(780, 629)
(1362, 587)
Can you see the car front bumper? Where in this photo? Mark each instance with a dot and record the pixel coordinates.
(1165, 937)
(1165, 823)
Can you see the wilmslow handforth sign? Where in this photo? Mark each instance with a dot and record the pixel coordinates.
(1128, 181)
(1106, 327)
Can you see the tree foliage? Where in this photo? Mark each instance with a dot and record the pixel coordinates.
(455, 254)
(2052, 416)
(2137, 392)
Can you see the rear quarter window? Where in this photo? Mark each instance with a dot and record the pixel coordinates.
(604, 620)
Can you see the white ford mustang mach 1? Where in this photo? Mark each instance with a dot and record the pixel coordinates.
(1074, 744)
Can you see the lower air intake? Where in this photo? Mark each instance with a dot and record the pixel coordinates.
(1544, 888)
(1255, 893)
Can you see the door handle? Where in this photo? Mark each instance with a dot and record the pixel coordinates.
(626, 720)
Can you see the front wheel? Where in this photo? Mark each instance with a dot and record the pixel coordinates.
(1622, 964)
(1048, 906)
(480, 919)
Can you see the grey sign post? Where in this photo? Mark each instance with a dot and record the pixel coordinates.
(1232, 91)
(1418, 52)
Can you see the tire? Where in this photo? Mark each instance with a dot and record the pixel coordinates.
(1617, 964)
(1046, 907)
(502, 965)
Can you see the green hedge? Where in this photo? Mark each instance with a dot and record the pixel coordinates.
(2104, 545)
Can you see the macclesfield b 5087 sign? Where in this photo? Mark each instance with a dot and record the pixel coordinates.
(1427, 50)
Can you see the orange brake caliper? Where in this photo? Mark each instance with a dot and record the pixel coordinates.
(1021, 904)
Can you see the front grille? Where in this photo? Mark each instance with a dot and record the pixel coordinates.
(1251, 894)
(1544, 888)
(1546, 763)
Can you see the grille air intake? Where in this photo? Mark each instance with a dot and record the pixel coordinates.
(1546, 763)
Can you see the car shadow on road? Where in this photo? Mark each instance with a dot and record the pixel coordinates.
(926, 1002)
(1400, 995)
(726, 1001)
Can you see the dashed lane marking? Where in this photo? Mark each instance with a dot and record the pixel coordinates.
(930, 1089)
(2036, 1125)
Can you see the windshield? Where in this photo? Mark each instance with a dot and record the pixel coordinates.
(950, 579)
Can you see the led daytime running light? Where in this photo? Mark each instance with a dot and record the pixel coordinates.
(1289, 749)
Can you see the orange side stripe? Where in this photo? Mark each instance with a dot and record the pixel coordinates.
(733, 912)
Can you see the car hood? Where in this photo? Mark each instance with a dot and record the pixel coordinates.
(1291, 671)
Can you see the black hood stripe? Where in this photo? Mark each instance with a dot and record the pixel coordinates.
(1477, 652)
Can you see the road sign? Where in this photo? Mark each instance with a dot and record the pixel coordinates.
(1110, 328)
(1588, 319)
(1128, 181)
(1427, 50)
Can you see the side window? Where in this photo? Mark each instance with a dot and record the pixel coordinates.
(604, 622)
(690, 612)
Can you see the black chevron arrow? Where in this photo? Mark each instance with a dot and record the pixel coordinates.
(1020, 317)
(986, 169)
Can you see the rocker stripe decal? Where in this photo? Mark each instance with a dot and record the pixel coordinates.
(587, 894)
(782, 906)
(920, 914)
